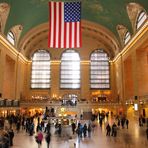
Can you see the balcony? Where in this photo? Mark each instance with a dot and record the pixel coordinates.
(58, 103)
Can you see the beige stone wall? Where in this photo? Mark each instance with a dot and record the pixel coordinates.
(11, 71)
(128, 73)
(55, 79)
(85, 84)
(2, 62)
(20, 81)
(142, 71)
(83, 92)
(7, 73)
(132, 70)
(89, 45)
(128, 78)
(9, 78)
(114, 93)
(119, 79)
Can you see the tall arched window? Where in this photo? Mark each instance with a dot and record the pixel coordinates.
(11, 37)
(70, 70)
(99, 69)
(141, 19)
(40, 75)
(127, 37)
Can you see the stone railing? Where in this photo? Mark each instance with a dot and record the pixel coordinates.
(45, 103)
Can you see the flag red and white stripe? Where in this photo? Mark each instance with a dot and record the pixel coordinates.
(62, 34)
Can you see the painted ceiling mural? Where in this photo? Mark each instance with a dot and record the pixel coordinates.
(109, 13)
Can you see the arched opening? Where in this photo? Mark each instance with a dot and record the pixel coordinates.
(127, 37)
(99, 69)
(141, 19)
(11, 37)
(70, 70)
(69, 100)
(40, 74)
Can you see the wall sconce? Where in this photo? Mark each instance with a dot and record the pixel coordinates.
(141, 102)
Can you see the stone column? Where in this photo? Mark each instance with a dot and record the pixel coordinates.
(55, 78)
(85, 81)
(2, 67)
(134, 73)
(135, 84)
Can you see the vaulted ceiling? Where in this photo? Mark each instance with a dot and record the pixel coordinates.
(104, 23)
(109, 13)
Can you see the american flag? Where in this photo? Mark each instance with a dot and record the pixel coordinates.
(64, 24)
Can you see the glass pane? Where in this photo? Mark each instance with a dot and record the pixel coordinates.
(72, 86)
(99, 70)
(11, 38)
(70, 69)
(69, 81)
(127, 37)
(141, 19)
(40, 81)
(40, 76)
(103, 86)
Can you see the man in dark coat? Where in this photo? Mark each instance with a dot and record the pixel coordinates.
(147, 133)
(108, 128)
(11, 136)
(48, 138)
(127, 122)
(73, 125)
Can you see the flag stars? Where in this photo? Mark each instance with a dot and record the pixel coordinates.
(72, 11)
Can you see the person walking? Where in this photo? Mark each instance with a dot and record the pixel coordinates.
(89, 130)
(59, 130)
(39, 138)
(5, 138)
(114, 130)
(100, 121)
(47, 128)
(31, 129)
(108, 129)
(48, 138)
(11, 136)
(122, 122)
(147, 133)
(118, 123)
(79, 133)
(127, 122)
(85, 130)
(73, 125)
(18, 124)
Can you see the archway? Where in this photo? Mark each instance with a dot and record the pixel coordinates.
(69, 100)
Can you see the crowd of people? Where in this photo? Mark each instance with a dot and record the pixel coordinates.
(42, 130)
(6, 138)
(112, 130)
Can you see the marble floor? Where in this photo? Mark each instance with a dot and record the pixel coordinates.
(133, 137)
